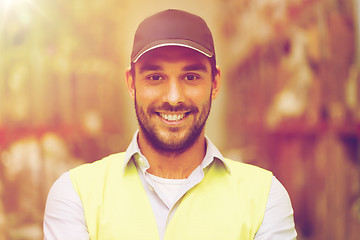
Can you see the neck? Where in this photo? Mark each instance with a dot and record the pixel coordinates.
(173, 165)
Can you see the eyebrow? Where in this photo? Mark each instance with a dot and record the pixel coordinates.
(195, 67)
(149, 67)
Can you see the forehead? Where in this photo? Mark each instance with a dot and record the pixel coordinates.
(173, 54)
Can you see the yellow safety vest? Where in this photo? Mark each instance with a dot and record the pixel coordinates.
(222, 206)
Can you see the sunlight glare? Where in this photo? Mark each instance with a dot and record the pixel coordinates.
(9, 6)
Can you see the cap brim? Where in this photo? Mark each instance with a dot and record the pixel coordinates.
(173, 42)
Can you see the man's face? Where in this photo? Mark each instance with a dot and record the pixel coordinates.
(173, 89)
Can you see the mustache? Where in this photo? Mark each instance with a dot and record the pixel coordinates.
(166, 107)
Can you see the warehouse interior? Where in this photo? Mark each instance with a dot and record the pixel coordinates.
(290, 99)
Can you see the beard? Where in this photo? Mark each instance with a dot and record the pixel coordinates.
(171, 141)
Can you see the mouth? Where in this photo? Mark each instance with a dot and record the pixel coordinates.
(173, 117)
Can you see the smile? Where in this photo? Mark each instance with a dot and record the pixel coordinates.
(172, 117)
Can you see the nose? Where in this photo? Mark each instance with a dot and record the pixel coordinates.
(174, 93)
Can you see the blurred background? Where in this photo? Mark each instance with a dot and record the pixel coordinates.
(290, 99)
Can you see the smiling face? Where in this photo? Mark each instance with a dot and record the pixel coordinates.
(172, 88)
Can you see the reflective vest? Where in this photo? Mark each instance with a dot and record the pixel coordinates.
(222, 206)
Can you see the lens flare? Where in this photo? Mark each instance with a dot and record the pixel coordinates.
(9, 8)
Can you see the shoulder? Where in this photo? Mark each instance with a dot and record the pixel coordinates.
(92, 175)
(62, 187)
(253, 180)
(111, 161)
(240, 169)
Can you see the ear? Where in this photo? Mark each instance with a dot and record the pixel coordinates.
(216, 84)
(130, 83)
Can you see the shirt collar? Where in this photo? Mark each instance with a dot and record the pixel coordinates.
(133, 152)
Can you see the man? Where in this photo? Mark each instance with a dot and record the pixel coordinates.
(172, 182)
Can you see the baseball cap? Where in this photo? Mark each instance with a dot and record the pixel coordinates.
(172, 28)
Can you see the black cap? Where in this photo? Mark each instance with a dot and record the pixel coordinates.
(173, 28)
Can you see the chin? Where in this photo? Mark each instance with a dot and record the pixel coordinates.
(174, 142)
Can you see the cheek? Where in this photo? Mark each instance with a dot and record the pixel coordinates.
(146, 96)
(199, 96)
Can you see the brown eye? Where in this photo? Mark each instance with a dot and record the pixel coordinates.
(191, 77)
(155, 77)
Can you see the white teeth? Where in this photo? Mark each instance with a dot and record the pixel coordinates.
(173, 117)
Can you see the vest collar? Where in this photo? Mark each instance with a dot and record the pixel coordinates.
(133, 152)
